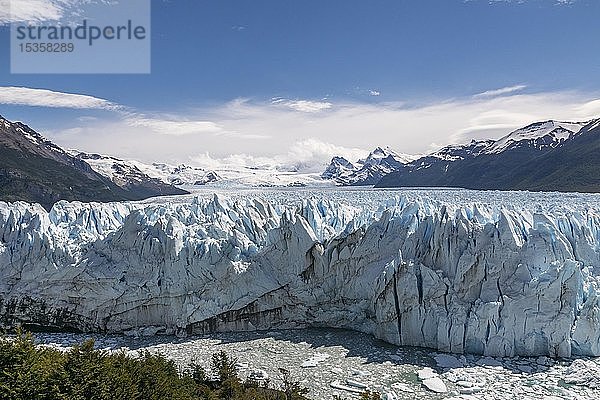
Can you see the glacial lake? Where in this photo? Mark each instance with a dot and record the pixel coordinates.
(323, 359)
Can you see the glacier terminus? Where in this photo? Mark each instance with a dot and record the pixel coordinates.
(490, 273)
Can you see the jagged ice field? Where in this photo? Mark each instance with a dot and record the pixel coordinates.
(492, 273)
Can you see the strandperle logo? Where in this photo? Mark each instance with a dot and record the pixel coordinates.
(84, 32)
(104, 37)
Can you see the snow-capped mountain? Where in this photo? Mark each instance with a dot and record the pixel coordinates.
(381, 162)
(366, 171)
(512, 162)
(339, 166)
(538, 135)
(473, 165)
(385, 156)
(119, 170)
(34, 169)
(460, 152)
(182, 174)
(188, 176)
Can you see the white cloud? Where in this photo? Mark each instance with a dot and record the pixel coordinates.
(309, 155)
(501, 92)
(173, 125)
(38, 10)
(307, 106)
(591, 108)
(47, 98)
(313, 153)
(181, 125)
(374, 93)
(254, 132)
(87, 118)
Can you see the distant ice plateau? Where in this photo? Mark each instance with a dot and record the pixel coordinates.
(490, 273)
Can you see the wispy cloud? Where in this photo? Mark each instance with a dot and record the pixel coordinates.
(47, 98)
(501, 92)
(38, 10)
(307, 106)
(591, 109)
(172, 125)
(184, 125)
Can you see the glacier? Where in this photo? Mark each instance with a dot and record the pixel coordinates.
(491, 273)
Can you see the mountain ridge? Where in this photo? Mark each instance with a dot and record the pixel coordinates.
(510, 165)
(36, 170)
(368, 170)
(384, 161)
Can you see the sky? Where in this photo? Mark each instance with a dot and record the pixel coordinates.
(293, 83)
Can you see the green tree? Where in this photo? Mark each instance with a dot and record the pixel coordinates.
(158, 379)
(223, 366)
(368, 395)
(291, 388)
(85, 372)
(35, 372)
(27, 372)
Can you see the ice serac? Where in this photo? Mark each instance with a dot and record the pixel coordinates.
(477, 278)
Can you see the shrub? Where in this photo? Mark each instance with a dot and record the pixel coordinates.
(30, 372)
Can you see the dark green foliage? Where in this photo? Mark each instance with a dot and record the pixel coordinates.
(224, 367)
(29, 372)
(291, 388)
(198, 374)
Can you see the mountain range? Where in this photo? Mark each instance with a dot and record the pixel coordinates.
(187, 176)
(545, 156)
(34, 169)
(367, 171)
(119, 170)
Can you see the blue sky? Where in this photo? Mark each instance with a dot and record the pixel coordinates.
(218, 65)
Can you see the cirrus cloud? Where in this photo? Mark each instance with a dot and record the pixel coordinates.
(23, 96)
(307, 106)
(501, 92)
(172, 125)
(32, 11)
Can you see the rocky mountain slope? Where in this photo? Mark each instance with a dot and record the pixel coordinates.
(36, 170)
(499, 278)
(573, 166)
(549, 155)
